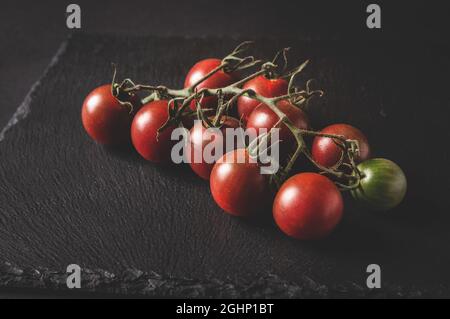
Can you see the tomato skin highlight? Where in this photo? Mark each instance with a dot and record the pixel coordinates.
(327, 153)
(238, 188)
(218, 80)
(383, 185)
(199, 140)
(308, 206)
(144, 132)
(263, 117)
(262, 86)
(106, 120)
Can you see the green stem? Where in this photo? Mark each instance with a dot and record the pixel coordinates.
(234, 91)
(207, 76)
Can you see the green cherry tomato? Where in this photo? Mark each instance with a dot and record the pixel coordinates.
(382, 186)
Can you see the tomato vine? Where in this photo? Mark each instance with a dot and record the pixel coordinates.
(346, 174)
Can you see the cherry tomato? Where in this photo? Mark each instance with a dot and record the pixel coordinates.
(383, 185)
(144, 132)
(263, 117)
(308, 206)
(238, 186)
(218, 80)
(200, 137)
(105, 119)
(326, 152)
(262, 86)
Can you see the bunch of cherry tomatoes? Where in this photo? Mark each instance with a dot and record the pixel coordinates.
(307, 205)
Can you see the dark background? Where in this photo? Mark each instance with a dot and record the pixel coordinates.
(30, 31)
(412, 33)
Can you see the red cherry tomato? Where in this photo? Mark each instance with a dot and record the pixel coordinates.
(263, 117)
(105, 119)
(218, 80)
(326, 152)
(238, 187)
(308, 206)
(200, 137)
(144, 132)
(262, 86)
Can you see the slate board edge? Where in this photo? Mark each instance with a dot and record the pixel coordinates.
(24, 108)
(137, 282)
(133, 282)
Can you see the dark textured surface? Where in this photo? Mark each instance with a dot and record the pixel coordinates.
(65, 200)
(136, 283)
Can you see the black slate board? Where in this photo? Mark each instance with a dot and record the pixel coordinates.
(64, 199)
